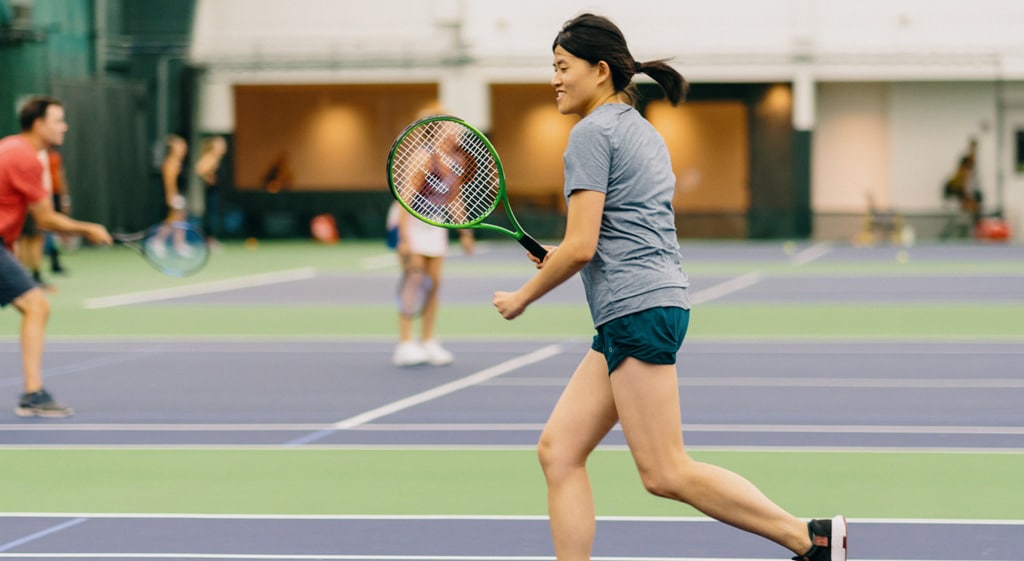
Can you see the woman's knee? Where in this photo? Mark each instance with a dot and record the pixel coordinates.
(673, 478)
(33, 303)
(557, 457)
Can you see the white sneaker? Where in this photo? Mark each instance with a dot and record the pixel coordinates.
(436, 354)
(409, 354)
(183, 250)
(156, 248)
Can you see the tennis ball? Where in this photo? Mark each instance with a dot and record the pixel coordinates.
(902, 257)
(251, 243)
(789, 248)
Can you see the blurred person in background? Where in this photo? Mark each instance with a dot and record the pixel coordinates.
(23, 193)
(211, 152)
(176, 148)
(963, 186)
(61, 202)
(422, 249)
(173, 181)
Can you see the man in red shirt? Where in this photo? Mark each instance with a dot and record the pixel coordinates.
(22, 192)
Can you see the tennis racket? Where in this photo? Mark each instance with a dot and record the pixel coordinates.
(445, 172)
(413, 288)
(174, 248)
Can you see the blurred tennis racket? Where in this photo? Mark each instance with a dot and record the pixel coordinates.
(413, 288)
(445, 172)
(174, 248)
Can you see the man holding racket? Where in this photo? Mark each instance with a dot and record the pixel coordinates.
(620, 236)
(22, 193)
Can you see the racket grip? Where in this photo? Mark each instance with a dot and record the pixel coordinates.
(533, 247)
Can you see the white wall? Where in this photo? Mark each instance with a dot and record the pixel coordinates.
(901, 84)
(850, 152)
(936, 38)
(1013, 180)
(900, 142)
(930, 124)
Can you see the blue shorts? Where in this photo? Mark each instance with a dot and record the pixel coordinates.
(653, 336)
(14, 279)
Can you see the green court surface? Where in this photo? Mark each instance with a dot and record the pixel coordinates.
(482, 482)
(105, 272)
(312, 480)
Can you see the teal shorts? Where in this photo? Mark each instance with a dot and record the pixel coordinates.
(653, 336)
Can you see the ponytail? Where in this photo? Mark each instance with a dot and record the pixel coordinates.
(595, 38)
(668, 78)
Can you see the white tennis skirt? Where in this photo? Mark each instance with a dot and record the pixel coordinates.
(424, 239)
(427, 240)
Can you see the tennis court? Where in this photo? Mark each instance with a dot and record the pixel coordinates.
(252, 411)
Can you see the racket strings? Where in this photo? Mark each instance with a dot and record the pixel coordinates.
(413, 288)
(446, 173)
(175, 249)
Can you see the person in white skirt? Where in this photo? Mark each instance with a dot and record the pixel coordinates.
(421, 252)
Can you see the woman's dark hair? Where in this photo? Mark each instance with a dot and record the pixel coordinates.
(595, 38)
(34, 108)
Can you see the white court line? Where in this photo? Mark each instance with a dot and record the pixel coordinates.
(285, 557)
(804, 382)
(346, 557)
(501, 427)
(351, 557)
(434, 393)
(795, 429)
(725, 288)
(41, 534)
(451, 387)
(226, 285)
(163, 427)
(812, 253)
(483, 517)
(750, 279)
(532, 448)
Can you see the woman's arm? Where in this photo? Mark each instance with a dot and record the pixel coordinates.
(582, 229)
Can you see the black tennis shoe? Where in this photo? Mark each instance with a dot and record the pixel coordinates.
(828, 540)
(41, 404)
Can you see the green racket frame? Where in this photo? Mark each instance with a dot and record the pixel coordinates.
(518, 234)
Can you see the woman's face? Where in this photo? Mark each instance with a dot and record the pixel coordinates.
(177, 147)
(576, 82)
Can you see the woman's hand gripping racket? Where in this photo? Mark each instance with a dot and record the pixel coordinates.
(173, 248)
(445, 172)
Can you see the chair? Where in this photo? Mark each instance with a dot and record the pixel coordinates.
(959, 220)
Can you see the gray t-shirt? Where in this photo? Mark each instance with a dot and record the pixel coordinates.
(637, 265)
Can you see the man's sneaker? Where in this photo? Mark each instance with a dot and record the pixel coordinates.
(436, 354)
(183, 250)
(156, 248)
(828, 540)
(41, 404)
(409, 353)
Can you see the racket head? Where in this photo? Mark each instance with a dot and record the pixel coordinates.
(176, 249)
(445, 172)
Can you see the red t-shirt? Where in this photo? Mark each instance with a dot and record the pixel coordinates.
(55, 175)
(21, 184)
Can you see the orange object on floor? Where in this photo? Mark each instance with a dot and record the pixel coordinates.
(992, 229)
(324, 228)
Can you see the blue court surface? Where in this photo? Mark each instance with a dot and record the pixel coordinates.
(779, 392)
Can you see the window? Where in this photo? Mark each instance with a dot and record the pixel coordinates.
(1019, 152)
